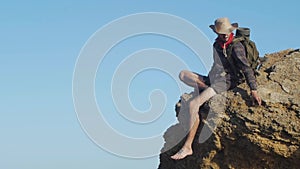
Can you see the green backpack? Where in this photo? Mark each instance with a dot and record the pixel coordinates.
(252, 54)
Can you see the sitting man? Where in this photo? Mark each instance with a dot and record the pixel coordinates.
(221, 77)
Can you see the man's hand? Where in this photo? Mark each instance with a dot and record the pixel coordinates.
(256, 96)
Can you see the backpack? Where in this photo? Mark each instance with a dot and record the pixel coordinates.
(252, 54)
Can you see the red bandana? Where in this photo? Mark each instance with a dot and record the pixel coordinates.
(225, 45)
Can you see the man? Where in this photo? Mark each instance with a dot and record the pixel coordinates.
(221, 77)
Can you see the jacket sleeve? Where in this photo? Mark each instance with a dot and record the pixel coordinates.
(239, 55)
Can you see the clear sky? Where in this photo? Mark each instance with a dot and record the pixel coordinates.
(41, 42)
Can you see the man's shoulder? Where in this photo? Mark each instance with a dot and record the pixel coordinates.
(237, 46)
(237, 43)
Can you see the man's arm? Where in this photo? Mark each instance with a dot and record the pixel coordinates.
(243, 64)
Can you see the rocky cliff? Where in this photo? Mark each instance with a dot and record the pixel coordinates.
(234, 133)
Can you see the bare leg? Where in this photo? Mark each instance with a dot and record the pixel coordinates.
(194, 122)
(192, 79)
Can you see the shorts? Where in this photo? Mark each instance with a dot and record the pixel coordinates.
(219, 85)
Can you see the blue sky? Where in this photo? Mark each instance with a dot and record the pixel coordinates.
(40, 43)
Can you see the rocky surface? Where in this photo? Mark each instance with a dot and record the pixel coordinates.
(234, 133)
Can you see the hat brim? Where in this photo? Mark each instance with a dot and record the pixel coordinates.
(233, 27)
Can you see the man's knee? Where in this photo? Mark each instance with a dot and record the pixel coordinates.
(183, 74)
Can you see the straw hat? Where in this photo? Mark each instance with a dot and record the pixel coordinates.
(223, 26)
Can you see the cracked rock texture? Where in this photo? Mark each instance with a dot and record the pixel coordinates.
(234, 133)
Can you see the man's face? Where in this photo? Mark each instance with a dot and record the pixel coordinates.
(224, 37)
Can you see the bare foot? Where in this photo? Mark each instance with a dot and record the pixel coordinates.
(182, 153)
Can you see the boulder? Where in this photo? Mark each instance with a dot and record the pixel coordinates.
(235, 133)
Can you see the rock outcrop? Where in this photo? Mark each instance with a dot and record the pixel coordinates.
(234, 133)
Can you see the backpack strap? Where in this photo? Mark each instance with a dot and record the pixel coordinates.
(229, 54)
(237, 72)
